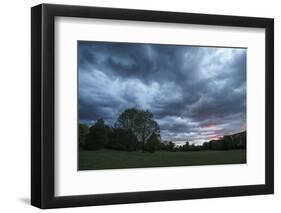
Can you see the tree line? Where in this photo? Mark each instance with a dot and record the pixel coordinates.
(227, 142)
(136, 130)
(133, 130)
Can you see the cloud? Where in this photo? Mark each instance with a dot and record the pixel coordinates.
(195, 93)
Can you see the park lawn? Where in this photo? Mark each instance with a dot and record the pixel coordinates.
(111, 159)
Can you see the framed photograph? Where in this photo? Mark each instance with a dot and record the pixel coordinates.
(139, 106)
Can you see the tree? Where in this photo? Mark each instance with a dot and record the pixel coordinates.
(101, 124)
(122, 139)
(140, 122)
(242, 141)
(170, 146)
(152, 143)
(227, 143)
(98, 136)
(186, 146)
(181, 148)
(205, 146)
(83, 131)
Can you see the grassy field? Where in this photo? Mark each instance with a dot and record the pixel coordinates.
(110, 159)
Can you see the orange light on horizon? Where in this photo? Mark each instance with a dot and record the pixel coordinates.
(208, 126)
(213, 138)
(217, 137)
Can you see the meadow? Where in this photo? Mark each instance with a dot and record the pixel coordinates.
(113, 159)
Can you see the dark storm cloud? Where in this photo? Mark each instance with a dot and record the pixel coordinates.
(195, 93)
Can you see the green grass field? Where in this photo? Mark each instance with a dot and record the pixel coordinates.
(110, 159)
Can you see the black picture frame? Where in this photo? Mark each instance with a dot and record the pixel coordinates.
(43, 117)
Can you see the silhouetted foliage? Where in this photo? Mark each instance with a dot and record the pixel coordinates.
(137, 130)
(193, 147)
(98, 136)
(122, 139)
(170, 146)
(205, 146)
(186, 146)
(140, 122)
(83, 131)
(153, 143)
(228, 142)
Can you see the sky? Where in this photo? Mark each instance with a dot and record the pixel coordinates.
(196, 93)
